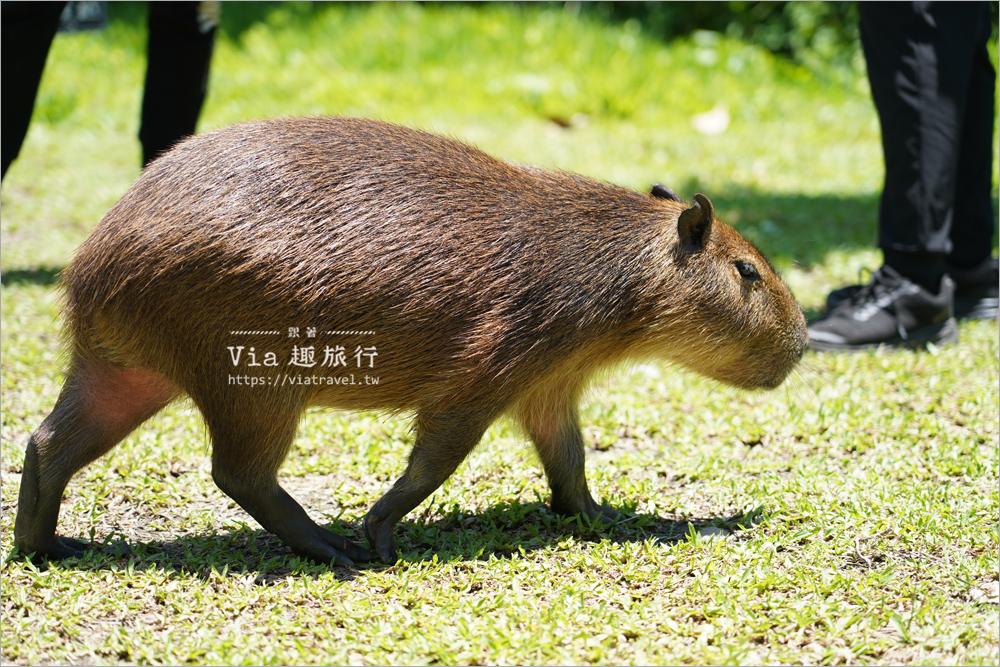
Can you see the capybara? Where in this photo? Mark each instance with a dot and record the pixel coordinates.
(275, 265)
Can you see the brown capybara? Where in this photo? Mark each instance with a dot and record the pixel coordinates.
(276, 265)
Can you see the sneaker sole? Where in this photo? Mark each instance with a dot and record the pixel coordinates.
(939, 334)
(985, 308)
(977, 309)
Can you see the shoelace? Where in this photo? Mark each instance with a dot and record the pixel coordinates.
(881, 284)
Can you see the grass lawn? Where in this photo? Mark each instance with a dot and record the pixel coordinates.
(849, 517)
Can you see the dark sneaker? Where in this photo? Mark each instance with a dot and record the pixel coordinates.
(976, 292)
(839, 296)
(890, 310)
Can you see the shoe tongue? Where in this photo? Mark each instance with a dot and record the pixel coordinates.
(888, 272)
(882, 280)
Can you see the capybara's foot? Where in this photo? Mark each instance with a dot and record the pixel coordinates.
(56, 548)
(327, 546)
(381, 539)
(590, 509)
(607, 515)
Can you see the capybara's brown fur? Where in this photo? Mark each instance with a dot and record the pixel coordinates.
(470, 288)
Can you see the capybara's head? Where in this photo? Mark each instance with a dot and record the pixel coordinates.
(735, 321)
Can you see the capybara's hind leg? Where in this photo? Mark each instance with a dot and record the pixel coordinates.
(247, 450)
(99, 405)
(442, 443)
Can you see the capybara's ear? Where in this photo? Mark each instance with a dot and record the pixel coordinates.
(694, 225)
(663, 192)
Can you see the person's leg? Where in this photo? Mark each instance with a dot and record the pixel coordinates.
(181, 37)
(972, 229)
(933, 84)
(26, 32)
(970, 262)
(920, 61)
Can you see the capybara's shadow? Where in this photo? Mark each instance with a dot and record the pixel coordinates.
(507, 529)
(246, 552)
(504, 530)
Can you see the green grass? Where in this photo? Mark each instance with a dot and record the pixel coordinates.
(854, 510)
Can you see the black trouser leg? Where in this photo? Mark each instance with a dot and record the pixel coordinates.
(974, 223)
(921, 58)
(26, 35)
(180, 51)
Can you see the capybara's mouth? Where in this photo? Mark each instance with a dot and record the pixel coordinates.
(749, 378)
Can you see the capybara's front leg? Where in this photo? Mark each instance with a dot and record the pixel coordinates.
(555, 431)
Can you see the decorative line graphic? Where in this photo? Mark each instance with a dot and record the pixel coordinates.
(278, 333)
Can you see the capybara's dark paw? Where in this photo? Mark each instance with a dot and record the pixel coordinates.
(57, 548)
(608, 515)
(588, 508)
(381, 539)
(357, 553)
(326, 546)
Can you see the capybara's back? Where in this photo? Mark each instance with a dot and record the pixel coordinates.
(270, 266)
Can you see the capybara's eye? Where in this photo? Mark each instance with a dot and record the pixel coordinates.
(747, 270)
